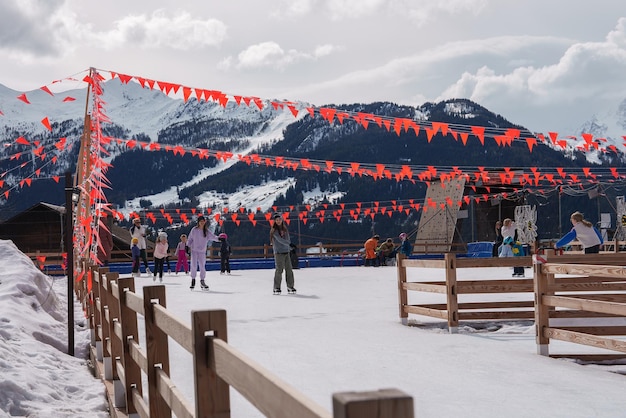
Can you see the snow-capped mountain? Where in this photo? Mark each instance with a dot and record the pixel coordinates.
(143, 178)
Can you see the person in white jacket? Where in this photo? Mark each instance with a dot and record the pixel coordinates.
(139, 231)
(197, 242)
(583, 230)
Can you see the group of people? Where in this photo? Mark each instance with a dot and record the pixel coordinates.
(582, 230)
(194, 246)
(378, 255)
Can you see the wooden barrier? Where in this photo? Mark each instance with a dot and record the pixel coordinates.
(452, 311)
(122, 362)
(593, 286)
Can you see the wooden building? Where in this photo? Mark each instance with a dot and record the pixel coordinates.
(38, 228)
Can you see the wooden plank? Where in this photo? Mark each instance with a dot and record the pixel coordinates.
(598, 330)
(617, 259)
(385, 403)
(496, 315)
(128, 322)
(157, 350)
(587, 287)
(471, 262)
(174, 327)
(587, 269)
(607, 297)
(495, 286)
(426, 287)
(542, 313)
(135, 302)
(268, 393)
(586, 305)
(497, 305)
(586, 339)
(211, 391)
(424, 263)
(575, 313)
(420, 310)
(402, 290)
(451, 292)
(138, 355)
(173, 396)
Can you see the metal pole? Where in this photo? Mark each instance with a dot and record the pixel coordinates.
(560, 220)
(69, 249)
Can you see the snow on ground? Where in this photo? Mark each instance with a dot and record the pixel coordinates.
(341, 332)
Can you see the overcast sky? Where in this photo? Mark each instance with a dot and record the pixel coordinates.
(548, 65)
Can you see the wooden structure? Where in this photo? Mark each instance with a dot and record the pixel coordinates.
(38, 228)
(113, 309)
(451, 310)
(438, 220)
(587, 288)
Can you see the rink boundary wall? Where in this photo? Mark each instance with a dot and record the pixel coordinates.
(113, 309)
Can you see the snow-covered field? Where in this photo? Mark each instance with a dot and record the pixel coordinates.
(341, 332)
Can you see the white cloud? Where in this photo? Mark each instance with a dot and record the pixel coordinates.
(31, 30)
(162, 29)
(271, 55)
(294, 8)
(352, 9)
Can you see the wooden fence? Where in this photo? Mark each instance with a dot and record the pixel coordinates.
(452, 310)
(113, 307)
(591, 287)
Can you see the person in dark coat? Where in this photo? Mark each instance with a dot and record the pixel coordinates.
(224, 253)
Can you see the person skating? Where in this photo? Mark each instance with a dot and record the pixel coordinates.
(224, 253)
(139, 231)
(160, 253)
(281, 245)
(583, 230)
(181, 254)
(198, 240)
(134, 251)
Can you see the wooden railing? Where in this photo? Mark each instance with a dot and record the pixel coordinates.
(589, 286)
(113, 307)
(452, 311)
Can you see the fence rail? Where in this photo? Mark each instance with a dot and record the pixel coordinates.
(589, 286)
(586, 289)
(113, 309)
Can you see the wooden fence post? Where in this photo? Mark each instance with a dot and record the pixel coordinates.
(97, 318)
(157, 350)
(212, 393)
(128, 322)
(105, 327)
(113, 313)
(384, 403)
(452, 300)
(542, 312)
(402, 292)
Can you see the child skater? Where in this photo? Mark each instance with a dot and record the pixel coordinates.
(167, 257)
(181, 253)
(224, 253)
(510, 248)
(160, 253)
(583, 230)
(134, 250)
(198, 240)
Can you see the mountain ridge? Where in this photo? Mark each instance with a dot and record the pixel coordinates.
(151, 116)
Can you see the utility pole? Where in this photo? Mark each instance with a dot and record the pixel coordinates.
(69, 250)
